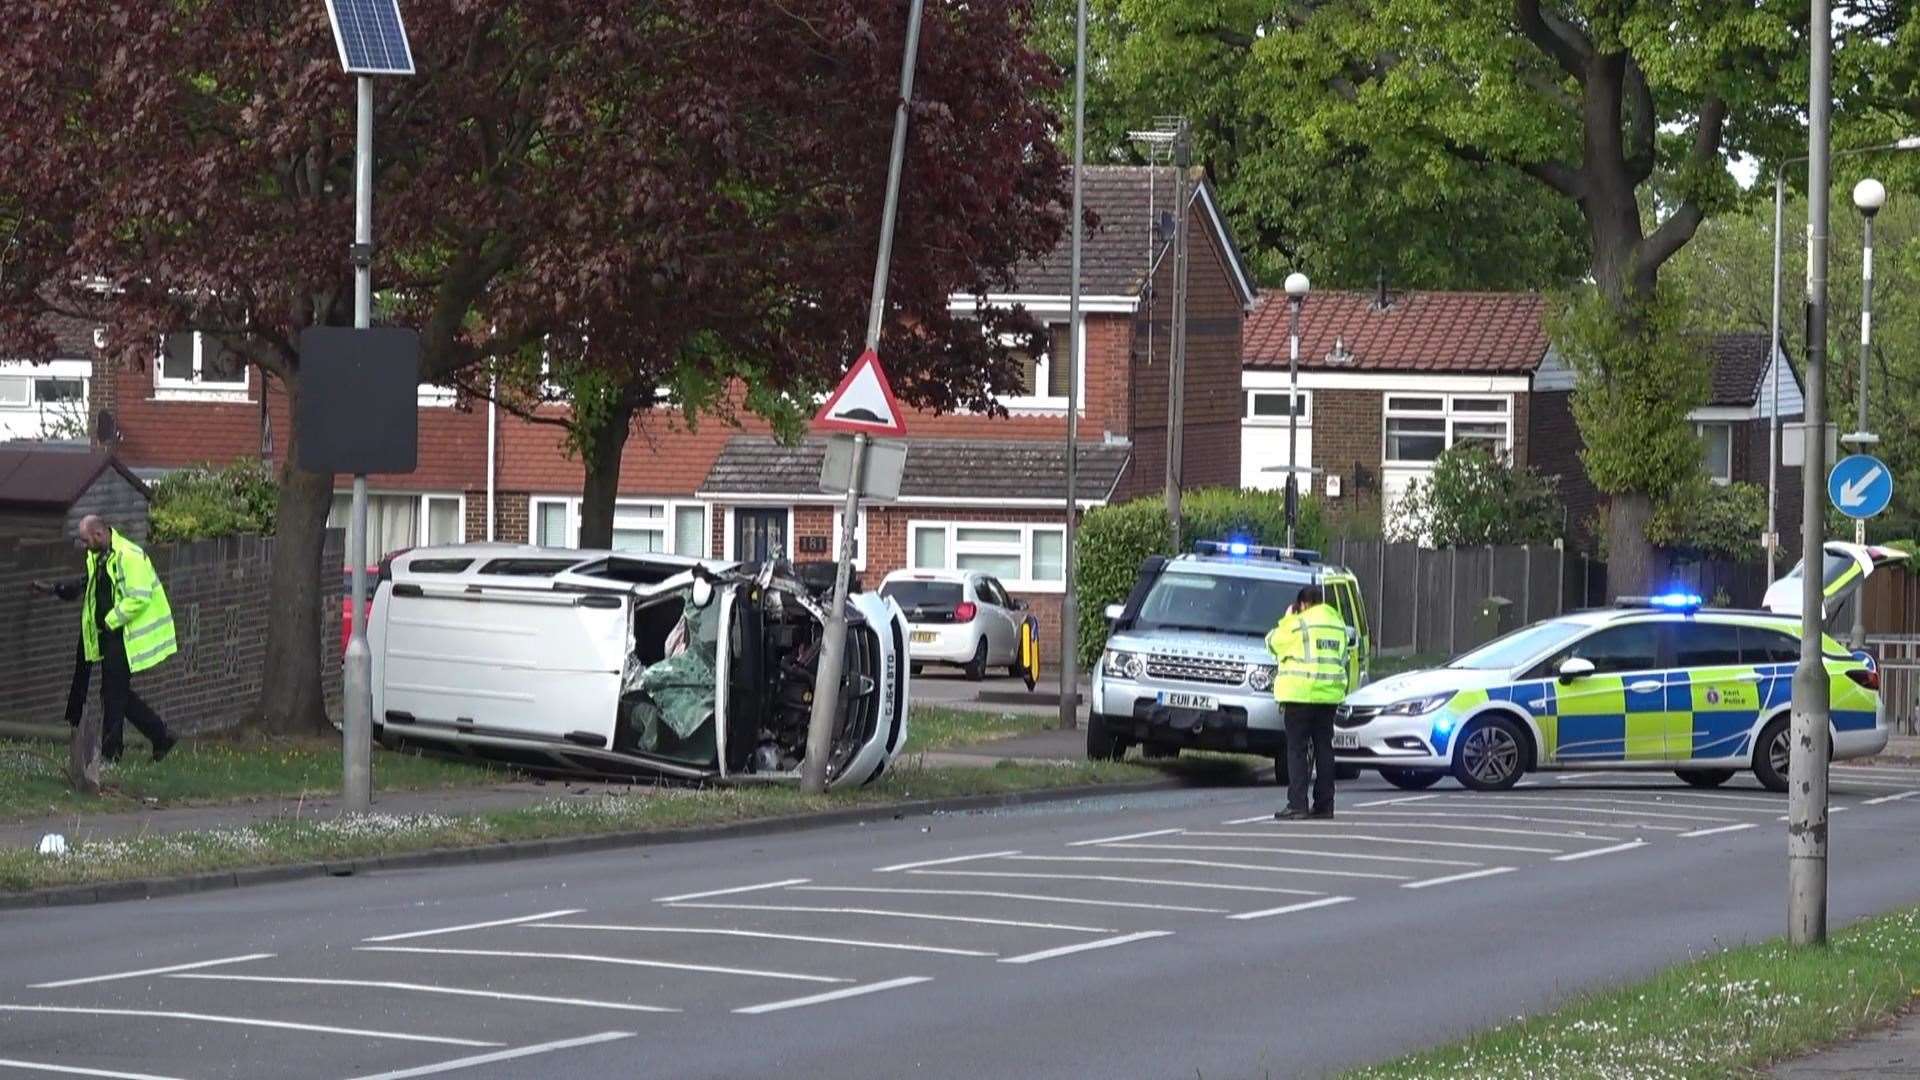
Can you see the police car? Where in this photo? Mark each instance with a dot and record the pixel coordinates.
(1658, 683)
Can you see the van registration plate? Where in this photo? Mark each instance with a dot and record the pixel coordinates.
(1188, 701)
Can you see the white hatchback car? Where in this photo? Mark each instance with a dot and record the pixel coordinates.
(958, 618)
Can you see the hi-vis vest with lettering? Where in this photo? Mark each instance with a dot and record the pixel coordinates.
(1311, 647)
(140, 611)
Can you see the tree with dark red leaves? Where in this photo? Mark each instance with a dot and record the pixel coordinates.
(685, 192)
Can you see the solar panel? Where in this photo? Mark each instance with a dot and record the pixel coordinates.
(371, 37)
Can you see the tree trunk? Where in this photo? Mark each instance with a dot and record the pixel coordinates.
(605, 443)
(292, 700)
(1634, 566)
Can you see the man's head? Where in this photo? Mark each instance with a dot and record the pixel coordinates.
(1310, 596)
(95, 534)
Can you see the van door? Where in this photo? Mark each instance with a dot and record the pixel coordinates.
(534, 664)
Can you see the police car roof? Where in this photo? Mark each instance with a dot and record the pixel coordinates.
(1284, 569)
(1626, 611)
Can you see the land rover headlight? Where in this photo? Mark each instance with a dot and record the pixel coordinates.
(1125, 665)
(1419, 706)
(1260, 676)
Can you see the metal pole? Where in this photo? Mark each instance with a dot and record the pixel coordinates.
(1070, 602)
(1807, 782)
(1773, 358)
(356, 781)
(830, 676)
(1177, 369)
(1293, 415)
(1859, 640)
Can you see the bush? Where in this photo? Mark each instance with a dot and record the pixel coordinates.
(204, 502)
(1472, 498)
(1708, 520)
(1114, 540)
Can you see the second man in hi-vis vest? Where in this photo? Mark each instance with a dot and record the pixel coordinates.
(1310, 646)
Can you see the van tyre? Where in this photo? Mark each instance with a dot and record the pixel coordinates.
(1101, 744)
(1412, 779)
(977, 667)
(1771, 753)
(1490, 755)
(1704, 778)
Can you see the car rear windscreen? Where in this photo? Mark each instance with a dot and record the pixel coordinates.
(923, 594)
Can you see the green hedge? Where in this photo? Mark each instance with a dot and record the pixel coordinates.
(1114, 540)
(202, 502)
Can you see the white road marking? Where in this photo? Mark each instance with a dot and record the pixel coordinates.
(1034, 897)
(1581, 802)
(943, 862)
(1450, 879)
(834, 995)
(1114, 880)
(1068, 950)
(504, 1055)
(1129, 836)
(1831, 810)
(1890, 798)
(1297, 851)
(514, 954)
(1401, 799)
(1318, 834)
(1875, 770)
(422, 988)
(849, 942)
(1576, 856)
(725, 892)
(1589, 808)
(1870, 781)
(476, 926)
(75, 1070)
(1506, 817)
(153, 971)
(1249, 820)
(1211, 865)
(246, 1021)
(1616, 774)
(1291, 908)
(884, 913)
(1717, 831)
(1492, 829)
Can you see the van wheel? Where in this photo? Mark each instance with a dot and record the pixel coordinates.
(1704, 778)
(1412, 779)
(1772, 753)
(1101, 745)
(1490, 755)
(977, 667)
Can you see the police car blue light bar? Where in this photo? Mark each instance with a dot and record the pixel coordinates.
(1241, 549)
(1674, 601)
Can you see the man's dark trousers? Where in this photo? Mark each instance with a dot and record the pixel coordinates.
(1309, 742)
(120, 703)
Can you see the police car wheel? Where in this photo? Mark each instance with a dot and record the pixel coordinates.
(1346, 772)
(1412, 779)
(1770, 755)
(1704, 778)
(1490, 755)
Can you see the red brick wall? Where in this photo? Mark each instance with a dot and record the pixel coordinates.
(1553, 449)
(1347, 437)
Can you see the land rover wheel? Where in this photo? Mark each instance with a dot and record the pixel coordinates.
(1102, 745)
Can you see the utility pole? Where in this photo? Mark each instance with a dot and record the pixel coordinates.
(1070, 603)
(1869, 196)
(1774, 353)
(1177, 369)
(831, 674)
(356, 743)
(1808, 746)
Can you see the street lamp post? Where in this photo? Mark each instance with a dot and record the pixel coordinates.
(1869, 196)
(1297, 286)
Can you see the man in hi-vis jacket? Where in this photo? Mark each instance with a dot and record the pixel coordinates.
(1310, 645)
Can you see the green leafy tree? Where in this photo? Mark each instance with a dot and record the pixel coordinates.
(1704, 520)
(209, 501)
(1473, 498)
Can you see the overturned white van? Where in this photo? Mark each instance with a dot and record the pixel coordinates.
(623, 664)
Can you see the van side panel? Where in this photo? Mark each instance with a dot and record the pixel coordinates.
(542, 664)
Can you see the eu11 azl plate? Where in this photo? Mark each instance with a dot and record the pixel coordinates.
(1346, 740)
(1187, 701)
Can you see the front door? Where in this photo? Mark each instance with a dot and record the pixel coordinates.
(759, 535)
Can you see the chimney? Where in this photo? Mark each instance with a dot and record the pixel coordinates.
(1381, 301)
(1339, 353)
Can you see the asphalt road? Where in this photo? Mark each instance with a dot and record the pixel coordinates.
(1178, 934)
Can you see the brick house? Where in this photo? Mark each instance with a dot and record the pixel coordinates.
(1388, 381)
(981, 491)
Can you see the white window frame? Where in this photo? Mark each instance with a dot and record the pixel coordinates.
(1700, 432)
(197, 388)
(669, 521)
(1042, 369)
(430, 396)
(1452, 416)
(1304, 399)
(859, 539)
(422, 515)
(1024, 582)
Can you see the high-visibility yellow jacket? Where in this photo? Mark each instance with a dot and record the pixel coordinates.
(1311, 649)
(140, 610)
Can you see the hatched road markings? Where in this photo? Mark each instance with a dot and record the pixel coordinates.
(883, 913)
(246, 1021)
(503, 1055)
(1291, 908)
(588, 958)
(422, 988)
(1428, 883)
(72, 1070)
(1248, 848)
(1722, 829)
(1085, 946)
(152, 971)
(764, 935)
(833, 995)
(563, 912)
(1578, 855)
(1034, 897)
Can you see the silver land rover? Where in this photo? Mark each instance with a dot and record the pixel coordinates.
(1186, 663)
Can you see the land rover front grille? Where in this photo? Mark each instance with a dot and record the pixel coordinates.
(1196, 669)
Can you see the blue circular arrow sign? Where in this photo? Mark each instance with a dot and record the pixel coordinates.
(1860, 486)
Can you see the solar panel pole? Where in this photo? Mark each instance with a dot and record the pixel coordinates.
(356, 781)
(831, 674)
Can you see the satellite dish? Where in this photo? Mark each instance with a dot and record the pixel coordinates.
(106, 429)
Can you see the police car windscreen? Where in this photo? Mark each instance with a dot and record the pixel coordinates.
(1521, 646)
(1214, 603)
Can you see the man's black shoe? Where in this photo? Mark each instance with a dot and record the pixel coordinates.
(1327, 813)
(165, 747)
(1290, 815)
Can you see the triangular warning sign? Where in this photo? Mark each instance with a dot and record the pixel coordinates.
(864, 403)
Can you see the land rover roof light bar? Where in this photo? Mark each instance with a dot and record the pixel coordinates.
(1241, 549)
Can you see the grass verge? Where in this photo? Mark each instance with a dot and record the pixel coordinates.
(1725, 1014)
(944, 729)
(33, 781)
(652, 809)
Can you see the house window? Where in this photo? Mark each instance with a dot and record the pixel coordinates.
(552, 523)
(1717, 442)
(662, 527)
(16, 392)
(436, 397)
(396, 521)
(1025, 557)
(190, 360)
(1270, 406)
(1419, 428)
(1043, 377)
(859, 538)
(53, 390)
